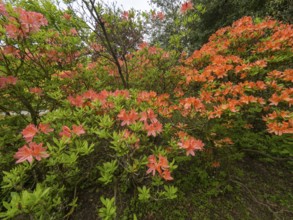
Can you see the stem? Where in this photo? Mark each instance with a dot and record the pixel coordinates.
(101, 23)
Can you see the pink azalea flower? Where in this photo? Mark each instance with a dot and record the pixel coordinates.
(30, 152)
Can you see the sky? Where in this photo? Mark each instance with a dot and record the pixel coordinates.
(136, 4)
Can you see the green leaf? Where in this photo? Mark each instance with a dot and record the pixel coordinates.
(144, 193)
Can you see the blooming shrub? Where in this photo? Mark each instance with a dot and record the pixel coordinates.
(239, 72)
(190, 111)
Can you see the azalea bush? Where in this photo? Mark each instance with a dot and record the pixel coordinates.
(185, 121)
(114, 139)
(243, 78)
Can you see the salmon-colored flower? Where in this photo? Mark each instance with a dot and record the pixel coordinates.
(127, 118)
(216, 164)
(24, 153)
(125, 15)
(167, 175)
(9, 80)
(30, 152)
(77, 101)
(191, 144)
(29, 132)
(161, 166)
(149, 114)
(160, 15)
(45, 128)
(186, 6)
(154, 128)
(78, 130)
(36, 90)
(66, 132)
(279, 128)
(275, 99)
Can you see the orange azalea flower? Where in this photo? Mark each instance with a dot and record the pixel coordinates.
(77, 101)
(127, 118)
(182, 134)
(146, 96)
(275, 74)
(91, 95)
(271, 116)
(36, 90)
(24, 153)
(248, 126)
(226, 140)
(9, 80)
(216, 164)
(144, 117)
(149, 114)
(217, 113)
(167, 175)
(67, 16)
(232, 103)
(163, 162)
(78, 130)
(187, 103)
(275, 99)
(29, 132)
(186, 6)
(29, 153)
(278, 128)
(285, 95)
(190, 145)
(160, 15)
(153, 129)
(206, 96)
(66, 132)
(248, 99)
(161, 167)
(260, 63)
(45, 128)
(260, 85)
(125, 15)
(288, 75)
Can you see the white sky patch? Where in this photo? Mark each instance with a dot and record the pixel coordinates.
(142, 5)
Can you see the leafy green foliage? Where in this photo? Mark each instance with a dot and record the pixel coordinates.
(176, 138)
(144, 193)
(107, 212)
(107, 171)
(35, 204)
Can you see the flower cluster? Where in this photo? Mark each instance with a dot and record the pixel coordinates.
(67, 132)
(33, 150)
(161, 166)
(5, 81)
(26, 22)
(31, 130)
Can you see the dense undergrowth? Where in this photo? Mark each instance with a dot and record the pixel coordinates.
(153, 134)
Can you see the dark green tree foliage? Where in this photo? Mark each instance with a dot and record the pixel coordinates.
(174, 30)
(217, 14)
(222, 13)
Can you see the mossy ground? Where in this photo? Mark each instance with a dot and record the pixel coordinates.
(255, 190)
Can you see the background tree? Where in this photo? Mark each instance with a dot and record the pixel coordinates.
(115, 32)
(33, 47)
(170, 25)
(207, 16)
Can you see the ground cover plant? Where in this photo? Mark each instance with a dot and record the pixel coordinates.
(98, 125)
